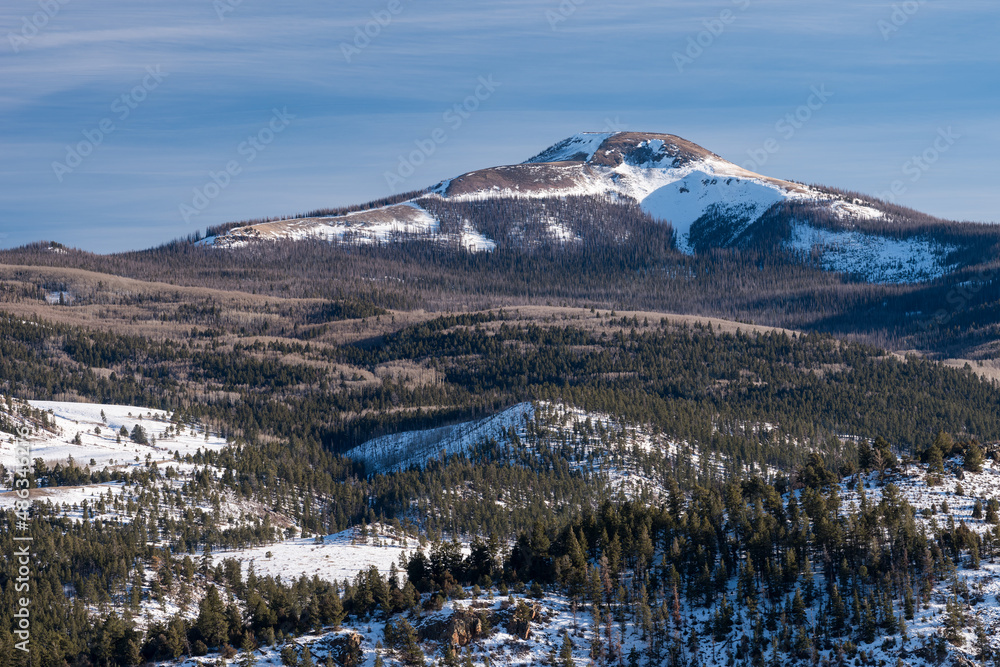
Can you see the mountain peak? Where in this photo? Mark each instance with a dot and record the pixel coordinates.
(577, 148)
(708, 201)
(612, 149)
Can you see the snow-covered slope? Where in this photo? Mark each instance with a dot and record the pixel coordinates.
(397, 222)
(673, 179)
(594, 445)
(89, 436)
(401, 451)
(55, 425)
(330, 557)
(578, 148)
(876, 259)
(699, 194)
(709, 201)
(556, 616)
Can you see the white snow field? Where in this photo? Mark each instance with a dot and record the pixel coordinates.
(697, 194)
(69, 419)
(877, 259)
(338, 557)
(55, 444)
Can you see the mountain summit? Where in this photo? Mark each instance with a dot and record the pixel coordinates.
(708, 201)
(674, 180)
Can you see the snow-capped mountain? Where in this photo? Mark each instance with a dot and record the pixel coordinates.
(709, 202)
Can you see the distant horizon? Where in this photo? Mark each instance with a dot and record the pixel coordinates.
(133, 126)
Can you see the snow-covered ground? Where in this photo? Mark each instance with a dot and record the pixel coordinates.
(100, 438)
(400, 451)
(580, 147)
(499, 646)
(561, 232)
(381, 225)
(623, 637)
(337, 557)
(474, 241)
(699, 193)
(55, 426)
(593, 444)
(911, 480)
(877, 259)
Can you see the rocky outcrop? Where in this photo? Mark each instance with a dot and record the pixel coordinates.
(519, 624)
(458, 630)
(346, 650)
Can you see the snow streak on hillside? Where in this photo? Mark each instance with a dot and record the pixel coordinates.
(413, 449)
(876, 259)
(595, 445)
(398, 222)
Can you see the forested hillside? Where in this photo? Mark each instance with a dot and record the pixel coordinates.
(714, 450)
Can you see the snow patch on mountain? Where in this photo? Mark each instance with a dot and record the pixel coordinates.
(474, 241)
(855, 210)
(401, 451)
(699, 193)
(876, 259)
(578, 148)
(396, 222)
(561, 232)
(333, 557)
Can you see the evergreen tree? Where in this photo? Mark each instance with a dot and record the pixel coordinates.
(973, 461)
(248, 659)
(212, 623)
(566, 652)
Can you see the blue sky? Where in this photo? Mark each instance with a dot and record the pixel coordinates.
(164, 98)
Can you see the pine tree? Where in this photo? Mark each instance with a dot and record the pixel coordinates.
(289, 657)
(973, 457)
(566, 652)
(942, 446)
(798, 609)
(838, 611)
(177, 643)
(211, 621)
(984, 651)
(992, 511)
(248, 659)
